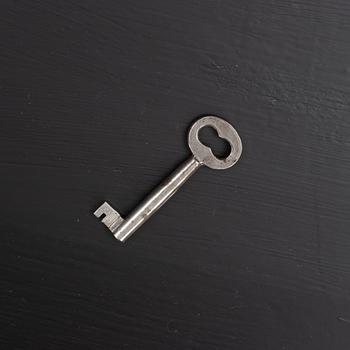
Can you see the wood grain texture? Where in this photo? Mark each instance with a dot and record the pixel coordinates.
(96, 101)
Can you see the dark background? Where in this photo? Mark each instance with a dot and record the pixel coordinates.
(96, 101)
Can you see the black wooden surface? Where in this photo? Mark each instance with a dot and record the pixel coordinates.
(96, 101)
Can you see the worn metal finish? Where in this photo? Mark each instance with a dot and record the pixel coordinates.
(204, 153)
(201, 155)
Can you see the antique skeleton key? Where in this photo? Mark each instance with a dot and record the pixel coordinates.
(201, 155)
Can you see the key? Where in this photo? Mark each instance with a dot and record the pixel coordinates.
(201, 155)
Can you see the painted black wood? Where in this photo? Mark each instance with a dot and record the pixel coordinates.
(96, 101)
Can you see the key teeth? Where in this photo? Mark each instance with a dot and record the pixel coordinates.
(112, 218)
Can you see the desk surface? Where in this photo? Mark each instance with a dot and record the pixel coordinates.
(96, 101)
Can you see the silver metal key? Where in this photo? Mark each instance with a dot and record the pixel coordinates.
(201, 155)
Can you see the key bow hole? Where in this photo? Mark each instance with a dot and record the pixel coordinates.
(209, 137)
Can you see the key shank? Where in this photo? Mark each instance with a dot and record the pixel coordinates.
(123, 229)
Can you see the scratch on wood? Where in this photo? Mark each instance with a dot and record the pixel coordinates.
(343, 319)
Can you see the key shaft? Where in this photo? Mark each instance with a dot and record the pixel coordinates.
(156, 199)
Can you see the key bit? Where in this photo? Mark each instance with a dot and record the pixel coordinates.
(111, 218)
